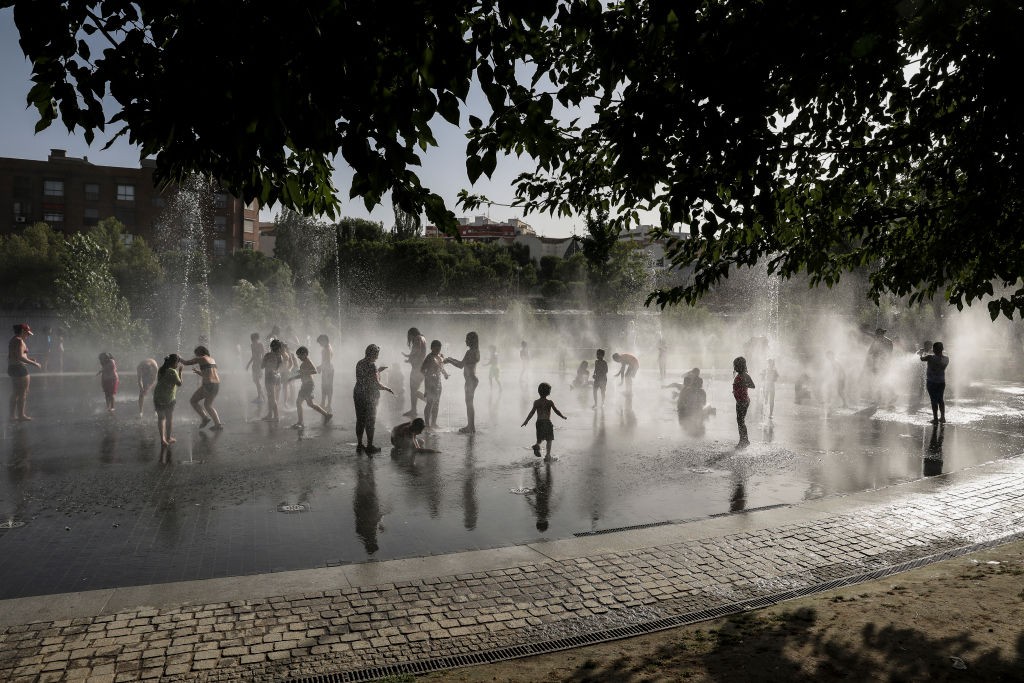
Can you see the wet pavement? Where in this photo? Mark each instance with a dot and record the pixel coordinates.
(103, 508)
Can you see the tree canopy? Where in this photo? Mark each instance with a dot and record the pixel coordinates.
(822, 137)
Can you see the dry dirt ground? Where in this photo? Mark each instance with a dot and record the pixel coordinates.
(958, 620)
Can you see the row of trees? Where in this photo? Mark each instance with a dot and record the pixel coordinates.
(109, 286)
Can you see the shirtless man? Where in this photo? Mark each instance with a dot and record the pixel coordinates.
(468, 366)
(146, 373)
(256, 352)
(17, 369)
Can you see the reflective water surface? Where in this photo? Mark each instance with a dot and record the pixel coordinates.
(103, 506)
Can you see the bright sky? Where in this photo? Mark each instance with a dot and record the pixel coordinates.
(443, 170)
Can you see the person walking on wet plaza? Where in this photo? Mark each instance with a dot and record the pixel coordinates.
(543, 407)
(468, 366)
(432, 369)
(109, 379)
(740, 385)
(306, 388)
(208, 389)
(146, 373)
(165, 393)
(600, 376)
(628, 367)
(935, 380)
(365, 395)
(17, 369)
(326, 372)
(256, 353)
(417, 352)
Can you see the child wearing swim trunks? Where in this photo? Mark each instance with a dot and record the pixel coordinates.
(600, 376)
(544, 406)
(306, 388)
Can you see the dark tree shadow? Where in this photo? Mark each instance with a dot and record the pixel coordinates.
(749, 647)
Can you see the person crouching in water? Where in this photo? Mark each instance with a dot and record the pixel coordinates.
(109, 379)
(544, 406)
(306, 388)
(406, 436)
(168, 379)
(740, 385)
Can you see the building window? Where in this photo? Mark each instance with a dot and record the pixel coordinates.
(250, 225)
(126, 193)
(248, 245)
(53, 218)
(220, 248)
(92, 191)
(220, 223)
(53, 188)
(220, 200)
(92, 217)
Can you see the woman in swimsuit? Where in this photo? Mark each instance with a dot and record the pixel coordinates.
(207, 391)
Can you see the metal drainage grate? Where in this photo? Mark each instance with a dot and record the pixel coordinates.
(632, 630)
(11, 524)
(292, 508)
(634, 527)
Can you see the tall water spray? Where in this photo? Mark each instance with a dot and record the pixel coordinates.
(184, 246)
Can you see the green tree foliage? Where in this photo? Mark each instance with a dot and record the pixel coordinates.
(135, 266)
(87, 296)
(29, 263)
(822, 137)
(349, 229)
(407, 224)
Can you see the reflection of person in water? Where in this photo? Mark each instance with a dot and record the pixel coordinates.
(366, 506)
(933, 456)
(541, 495)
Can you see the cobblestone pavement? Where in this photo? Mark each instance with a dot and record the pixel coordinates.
(573, 587)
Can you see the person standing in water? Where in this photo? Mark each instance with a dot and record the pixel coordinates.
(524, 360)
(365, 395)
(417, 352)
(543, 407)
(494, 374)
(935, 381)
(271, 364)
(208, 390)
(662, 357)
(146, 373)
(326, 372)
(432, 370)
(168, 379)
(256, 352)
(468, 366)
(17, 369)
(740, 385)
(771, 377)
(600, 376)
(109, 379)
(628, 367)
(306, 388)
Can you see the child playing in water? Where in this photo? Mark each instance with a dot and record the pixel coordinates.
(256, 353)
(407, 435)
(582, 378)
(272, 365)
(326, 371)
(600, 376)
(628, 366)
(494, 375)
(146, 373)
(432, 370)
(544, 406)
(740, 385)
(109, 379)
(168, 379)
(306, 388)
